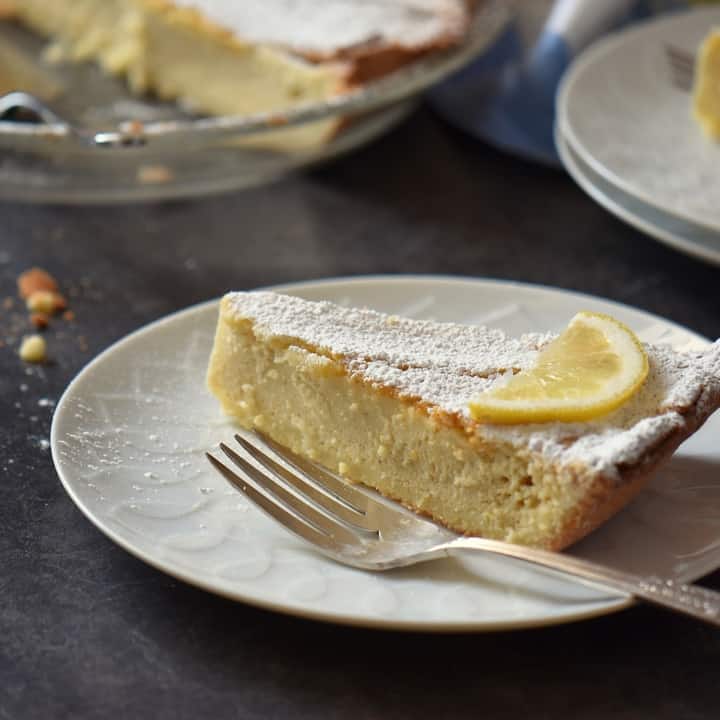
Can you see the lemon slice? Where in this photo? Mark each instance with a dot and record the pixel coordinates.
(593, 367)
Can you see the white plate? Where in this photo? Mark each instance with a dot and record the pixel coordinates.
(675, 232)
(129, 435)
(619, 110)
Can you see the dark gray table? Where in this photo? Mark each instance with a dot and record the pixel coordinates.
(87, 631)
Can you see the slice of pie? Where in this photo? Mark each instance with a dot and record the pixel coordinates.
(384, 402)
(240, 57)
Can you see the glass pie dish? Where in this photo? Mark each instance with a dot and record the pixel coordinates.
(104, 145)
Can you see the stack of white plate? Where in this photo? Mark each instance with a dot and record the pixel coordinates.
(625, 132)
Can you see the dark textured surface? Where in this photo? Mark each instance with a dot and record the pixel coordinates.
(87, 631)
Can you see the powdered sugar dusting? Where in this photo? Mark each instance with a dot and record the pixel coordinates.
(325, 27)
(446, 365)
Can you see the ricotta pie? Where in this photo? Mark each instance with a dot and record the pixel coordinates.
(384, 401)
(240, 57)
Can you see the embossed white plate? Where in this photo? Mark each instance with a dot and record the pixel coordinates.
(620, 111)
(675, 232)
(129, 435)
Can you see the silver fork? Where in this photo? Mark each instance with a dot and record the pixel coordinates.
(682, 67)
(357, 527)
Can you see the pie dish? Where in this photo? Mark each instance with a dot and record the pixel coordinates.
(226, 58)
(384, 401)
(115, 146)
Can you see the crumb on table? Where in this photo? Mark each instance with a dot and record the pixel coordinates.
(40, 320)
(33, 349)
(154, 174)
(35, 279)
(43, 300)
(46, 301)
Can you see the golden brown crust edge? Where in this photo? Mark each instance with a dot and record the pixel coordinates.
(372, 61)
(606, 496)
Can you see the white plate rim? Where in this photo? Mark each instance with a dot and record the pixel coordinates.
(592, 54)
(475, 626)
(592, 184)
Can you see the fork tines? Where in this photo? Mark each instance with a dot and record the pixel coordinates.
(682, 67)
(328, 515)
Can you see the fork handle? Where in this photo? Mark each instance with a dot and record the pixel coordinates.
(693, 600)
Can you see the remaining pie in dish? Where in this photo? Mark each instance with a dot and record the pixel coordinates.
(225, 57)
(384, 402)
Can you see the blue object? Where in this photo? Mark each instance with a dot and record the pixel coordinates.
(506, 100)
(507, 96)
